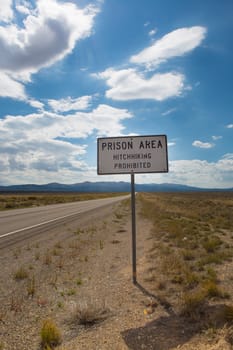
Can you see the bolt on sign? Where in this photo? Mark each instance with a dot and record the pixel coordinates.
(132, 155)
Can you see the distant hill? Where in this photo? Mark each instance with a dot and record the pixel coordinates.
(105, 187)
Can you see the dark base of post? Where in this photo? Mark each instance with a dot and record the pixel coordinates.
(135, 278)
(133, 230)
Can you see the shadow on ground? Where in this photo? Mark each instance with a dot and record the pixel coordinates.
(162, 334)
(172, 330)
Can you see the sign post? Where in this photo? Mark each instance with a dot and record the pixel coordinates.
(132, 155)
(133, 214)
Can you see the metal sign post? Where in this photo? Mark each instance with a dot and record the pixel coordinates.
(132, 155)
(133, 213)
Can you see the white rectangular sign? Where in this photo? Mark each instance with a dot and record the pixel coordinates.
(132, 154)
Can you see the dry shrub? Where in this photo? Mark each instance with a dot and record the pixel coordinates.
(50, 335)
(229, 335)
(192, 304)
(211, 289)
(90, 312)
(228, 313)
(21, 274)
(31, 286)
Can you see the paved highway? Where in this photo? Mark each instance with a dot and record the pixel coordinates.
(25, 222)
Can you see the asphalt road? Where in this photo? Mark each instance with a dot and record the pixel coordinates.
(19, 224)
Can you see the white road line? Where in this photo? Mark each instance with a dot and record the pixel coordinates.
(33, 226)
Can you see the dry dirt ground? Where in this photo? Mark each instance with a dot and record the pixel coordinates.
(87, 264)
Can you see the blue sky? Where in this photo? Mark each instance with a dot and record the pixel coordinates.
(72, 71)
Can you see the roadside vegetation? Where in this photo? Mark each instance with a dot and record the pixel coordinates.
(50, 335)
(49, 286)
(26, 200)
(191, 249)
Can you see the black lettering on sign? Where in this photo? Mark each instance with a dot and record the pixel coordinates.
(128, 145)
(117, 145)
(160, 144)
(141, 145)
(153, 144)
(104, 145)
(150, 144)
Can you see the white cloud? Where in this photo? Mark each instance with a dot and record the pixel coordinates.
(152, 32)
(6, 12)
(132, 84)
(228, 156)
(129, 84)
(48, 33)
(41, 161)
(36, 104)
(215, 138)
(171, 144)
(39, 143)
(201, 144)
(104, 119)
(30, 153)
(169, 111)
(173, 44)
(230, 126)
(36, 148)
(226, 165)
(202, 173)
(9, 87)
(108, 120)
(23, 7)
(69, 104)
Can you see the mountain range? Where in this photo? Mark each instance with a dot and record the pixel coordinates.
(105, 187)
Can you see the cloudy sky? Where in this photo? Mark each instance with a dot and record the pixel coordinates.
(73, 71)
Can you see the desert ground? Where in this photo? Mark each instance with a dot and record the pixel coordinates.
(76, 280)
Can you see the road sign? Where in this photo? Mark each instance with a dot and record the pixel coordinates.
(132, 155)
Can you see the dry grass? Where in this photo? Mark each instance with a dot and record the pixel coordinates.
(21, 274)
(192, 236)
(50, 335)
(187, 250)
(26, 200)
(89, 312)
(31, 287)
(59, 273)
